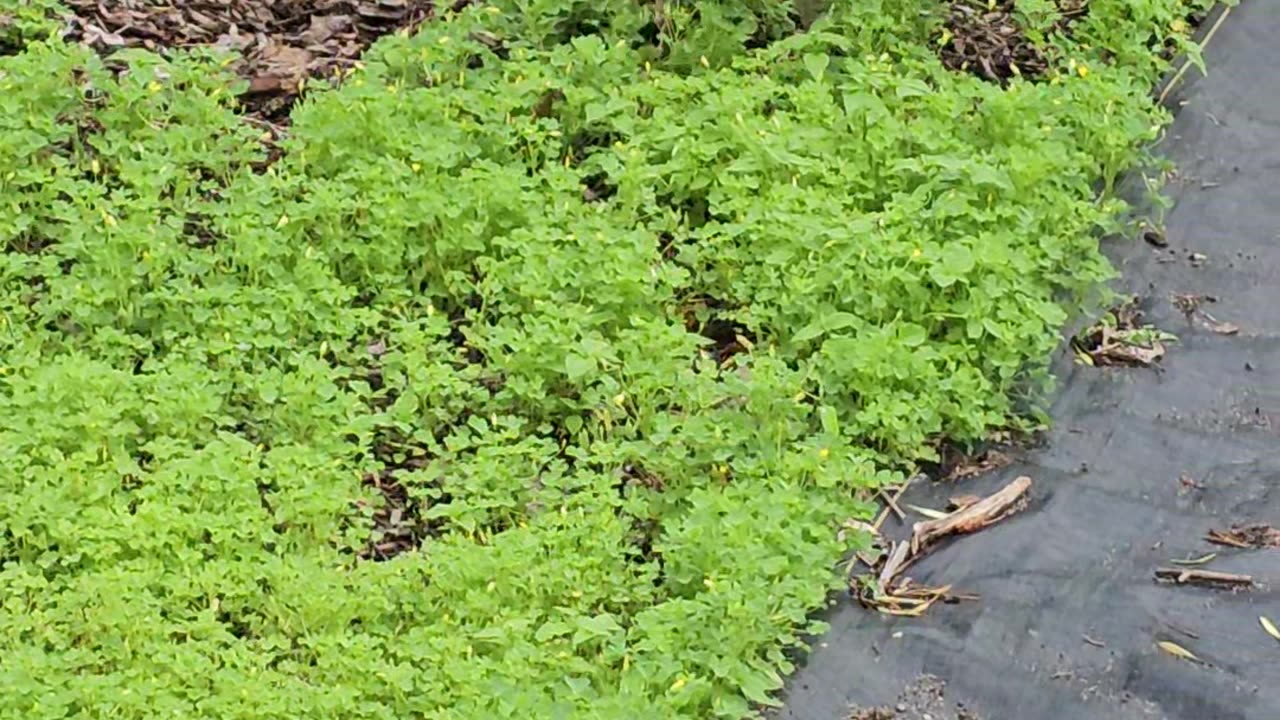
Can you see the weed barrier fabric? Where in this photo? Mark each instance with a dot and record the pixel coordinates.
(1075, 570)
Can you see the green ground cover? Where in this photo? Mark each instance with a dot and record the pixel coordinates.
(539, 376)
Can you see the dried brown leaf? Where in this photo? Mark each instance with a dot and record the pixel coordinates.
(1177, 650)
(1222, 328)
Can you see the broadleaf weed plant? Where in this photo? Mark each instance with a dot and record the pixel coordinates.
(618, 321)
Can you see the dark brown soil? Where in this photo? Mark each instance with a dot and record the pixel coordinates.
(989, 41)
(281, 43)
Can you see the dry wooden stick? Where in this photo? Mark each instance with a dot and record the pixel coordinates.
(1186, 576)
(1246, 536)
(989, 510)
(893, 565)
(892, 504)
(884, 514)
(1220, 538)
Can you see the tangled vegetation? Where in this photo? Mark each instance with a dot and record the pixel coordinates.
(540, 374)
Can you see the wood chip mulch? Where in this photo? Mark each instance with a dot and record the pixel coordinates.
(280, 42)
(988, 39)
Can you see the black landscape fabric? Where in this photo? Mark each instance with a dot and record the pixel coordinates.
(1140, 464)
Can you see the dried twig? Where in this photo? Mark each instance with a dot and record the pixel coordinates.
(892, 503)
(977, 516)
(1259, 535)
(881, 590)
(894, 565)
(1210, 578)
(912, 600)
(1091, 641)
(884, 514)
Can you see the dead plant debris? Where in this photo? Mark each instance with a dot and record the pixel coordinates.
(1269, 626)
(884, 588)
(977, 516)
(1192, 306)
(1206, 578)
(1121, 339)
(1254, 536)
(1091, 641)
(989, 38)
(1187, 484)
(1176, 650)
(281, 43)
(979, 464)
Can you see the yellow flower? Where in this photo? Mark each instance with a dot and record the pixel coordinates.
(679, 683)
(824, 453)
(916, 253)
(1083, 70)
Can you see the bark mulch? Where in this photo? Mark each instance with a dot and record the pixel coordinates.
(280, 43)
(989, 40)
